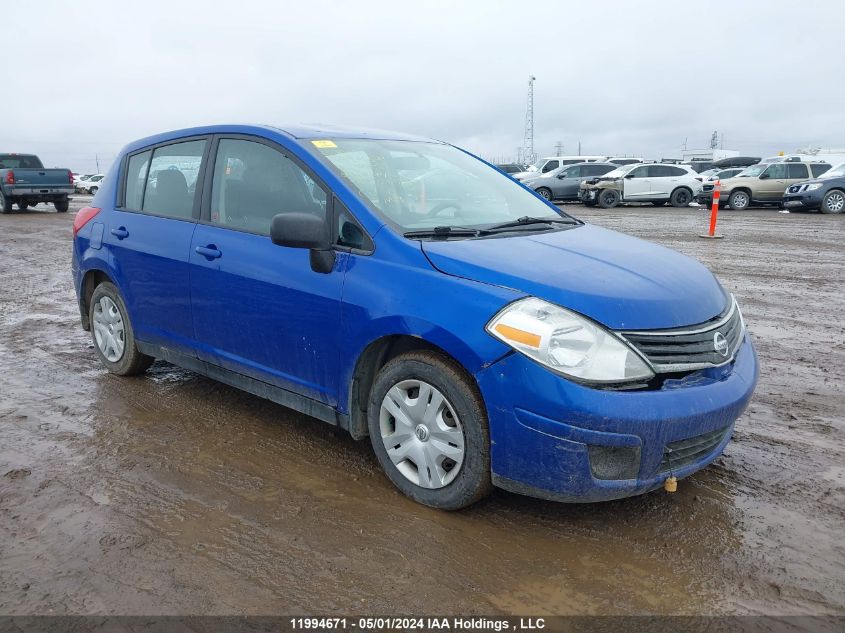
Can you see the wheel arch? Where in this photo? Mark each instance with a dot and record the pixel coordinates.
(370, 361)
(90, 280)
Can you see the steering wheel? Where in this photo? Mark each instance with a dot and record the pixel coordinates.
(442, 207)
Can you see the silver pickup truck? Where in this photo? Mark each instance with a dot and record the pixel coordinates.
(24, 181)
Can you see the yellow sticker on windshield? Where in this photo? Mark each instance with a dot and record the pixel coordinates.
(323, 144)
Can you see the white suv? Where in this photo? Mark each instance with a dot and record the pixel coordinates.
(656, 183)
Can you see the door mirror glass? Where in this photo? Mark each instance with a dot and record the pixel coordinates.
(299, 230)
(765, 176)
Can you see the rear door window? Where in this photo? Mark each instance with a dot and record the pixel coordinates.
(796, 171)
(254, 182)
(172, 179)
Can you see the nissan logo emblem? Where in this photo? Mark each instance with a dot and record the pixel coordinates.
(720, 344)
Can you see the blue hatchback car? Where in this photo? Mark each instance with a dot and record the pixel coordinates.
(403, 289)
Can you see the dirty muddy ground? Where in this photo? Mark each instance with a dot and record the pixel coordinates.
(172, 494)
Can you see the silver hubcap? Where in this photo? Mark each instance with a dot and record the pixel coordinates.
(740, 200)
(421, 433)
(545, 194)
(835, 202)
(108, 329)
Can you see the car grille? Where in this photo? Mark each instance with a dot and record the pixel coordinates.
(685, 452)
(708, 344)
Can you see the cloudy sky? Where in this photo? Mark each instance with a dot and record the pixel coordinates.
(638, 77)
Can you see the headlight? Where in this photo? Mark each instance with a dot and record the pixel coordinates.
(813, 186)
(567, 343)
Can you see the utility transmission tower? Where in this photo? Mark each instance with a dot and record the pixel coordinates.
(714, 140)
(559, 148)
(528, 155)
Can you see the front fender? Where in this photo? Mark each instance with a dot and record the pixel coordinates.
(383, 298)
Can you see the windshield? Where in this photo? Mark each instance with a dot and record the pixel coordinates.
(836, 172)
(420, 185)
(620, 171)
(753, 171)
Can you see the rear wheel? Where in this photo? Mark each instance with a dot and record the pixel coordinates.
(608, 198)
(93, 191)
(5, 204)
(428, 427)
(61, 205)
(114, 338)
(739, 200)
(546, 193)
(833, 201)
(681, 197)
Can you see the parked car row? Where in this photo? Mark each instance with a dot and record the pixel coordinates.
(811, 186)
(88, 184)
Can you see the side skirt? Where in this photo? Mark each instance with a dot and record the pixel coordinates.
(289, 399)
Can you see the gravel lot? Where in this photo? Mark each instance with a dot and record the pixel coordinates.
(172, 494)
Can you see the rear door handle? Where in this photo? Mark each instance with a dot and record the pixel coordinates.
(120, 233)
(209, 252)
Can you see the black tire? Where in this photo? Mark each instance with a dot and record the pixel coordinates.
(23, 205)
(5, 204)
(681, 197)
(472, 482)
(93, 191)
(62, 205)
(132, 362)
(658, 203)
(739, 200)
(608, 198)
(833, 201)
(546, 193)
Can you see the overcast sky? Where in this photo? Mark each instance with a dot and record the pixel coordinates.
(637, 77)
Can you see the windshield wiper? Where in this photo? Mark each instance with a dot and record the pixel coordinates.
(526, 220)
(444, 232)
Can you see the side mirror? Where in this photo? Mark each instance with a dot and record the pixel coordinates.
(629, 176)
(304, 230)
(561, 176)
(764, 175)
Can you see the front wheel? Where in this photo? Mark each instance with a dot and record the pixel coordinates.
(114, 338)
(739, 200)
(681, 197)
(608, 198)
(546, 193)
(833, 202)
(93, 191)
(428, 427)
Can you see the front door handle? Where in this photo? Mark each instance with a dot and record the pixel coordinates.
(209, 252)
(120, 233)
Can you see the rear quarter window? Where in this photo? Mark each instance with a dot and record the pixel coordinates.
(136, 175)
(818, 170)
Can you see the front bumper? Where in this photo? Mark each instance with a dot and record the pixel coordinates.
(806, 200)
(544, 427)
(588, 195)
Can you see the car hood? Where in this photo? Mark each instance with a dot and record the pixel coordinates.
(620, 281)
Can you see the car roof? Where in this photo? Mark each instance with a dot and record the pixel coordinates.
(293, 131)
